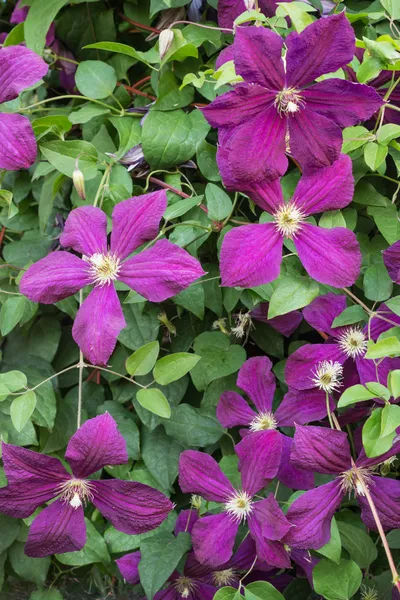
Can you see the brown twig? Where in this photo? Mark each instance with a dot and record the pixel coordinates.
(139, 25)
(133, 90)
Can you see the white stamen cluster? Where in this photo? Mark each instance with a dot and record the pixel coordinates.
(196, 501)
(353, 342)
(368, 593)
(239, 506)
(356, 480)
(328, 376)
(103, 268)
(225, 577)
(288, 220)
(184, 586)
(289, 101)
(263, 421)
(76, 492)
(243, 325)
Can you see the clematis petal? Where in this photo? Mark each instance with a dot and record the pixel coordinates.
(379, 325)
(57, 529)
(97, 443)
(244, 555)
(302, 407)
(55, 277)
(259, 459)
(274, 524)
(85, 231)
(321, 450)
(269, 549)
(186, 520)
(226, 54)
(18, 148)
(20, 68)
(19, 13)
(289, 474)
(98, 323)
(368, 371)
(251, 255)
(200, 474)
(322, 47)
(314, 141)
(330, 188)
(20, 500)
(128, 566)
(136, 221)
(391, 258)
(233, 410)
(330, 256)
(301, 365)
(364, 461)
(257, 55)
(160, 272)
(257, 380)
(323, 310)
(285, 324)
(168, 594)
(204, 591)
(342, 101)
(385, 494)
(311, 516)
(132, 507)
(213, 539)
(22, 465)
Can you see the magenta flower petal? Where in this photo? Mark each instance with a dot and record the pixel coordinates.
(132, 507)
(274, 524)
(330, 256)
(344, 102)
(266, 194)
(257, 380)
(251, 255)
(259, 459)
(136, 221)
(257, 55)
(386, 496)
(213, 539)
(322, 47)
(98, 323)
(57, 529)
(321, 450)
(364, 461)
(268, 550)
(228, 10)
(160, 272)
(186, 520)
(18, 148)
(19, 13)
(226, 55)
(301, 407)
(322, 311)
(233, 410)
(391, 258)
(301, 365)
(291, 475)
(311, 516)
(378, 325)
(54, 278)
(285, 324)
(96, 444)
(20, 500)
(315, 141)
(204, 591)
(200, 474)
(85, 231)
(330, 188)
(168, 594)
(20, 68)
(128, 566)
(367, 371)
(239, 105)
(21, 464)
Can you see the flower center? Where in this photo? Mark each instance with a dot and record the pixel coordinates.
(288, 220)
(104, 268)
(289, 101)
(368, 593)
(76, 492)
(353, 342)
(356, 480)
(243, 325)
(328, 376)
(196, 501)
(184, 586)
(239, 506)
(263, 421)
(225, 577)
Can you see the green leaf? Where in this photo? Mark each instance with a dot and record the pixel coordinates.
(386, 220)
(193, 428)
(207, 162)
(170, 97)
(374, 155)
(227, 593)
(11, 313)
(153, 400)
(9, 531)
(16, 35)
(179, 208)
(390, 419)
(49, 594)
(393, 538)
(369, 68)
(331, 219)
(394, 383)
(358, 544)
(30, 569)
(94, 551)
(350, 315)
(21, 409)
(392, 7)
(355, 137)
(146, 57)
(333, 548)
(63, 154)
(378, 389)
(142, 325)
(387, 133)
(160, 454)
(389, 346)
(218, 202)
(95, 79)
(192, 299)
(160, 555)
(382, 50)
(297, 12)
(292, 292)
(337, 581)
(6, 199)
(14, 381)
(37, 24)
(143, 360)
(394, 304)
(219, 358)
(374, 444)
(261, 590)
(377, 284)
(174, 366)
(86, 113)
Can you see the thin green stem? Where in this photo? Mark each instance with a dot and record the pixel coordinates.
(121, 376)
(45, 380)
(383, 177)
(64, 97)
(328, 410)
(233, 209)
(11, 293)
(80, 380)
(102, 183)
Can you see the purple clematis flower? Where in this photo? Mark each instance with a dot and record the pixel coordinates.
(322, 366)
(285, 324)
(327, 451)
(20, 68)
(156, 273)
(229, 10)
(257, 380)
(276, 110)
(391, 258)
(251, 255)
(214, 536)
(34, 479)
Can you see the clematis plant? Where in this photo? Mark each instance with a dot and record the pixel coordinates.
(327, 451)
(20, 68)
(277, 110)
(34, 479)
(251, 255)
(157, 273)
(229, 10)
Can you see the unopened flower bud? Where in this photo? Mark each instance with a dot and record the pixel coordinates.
(79, 182)
(249, 4)
(165, 41)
